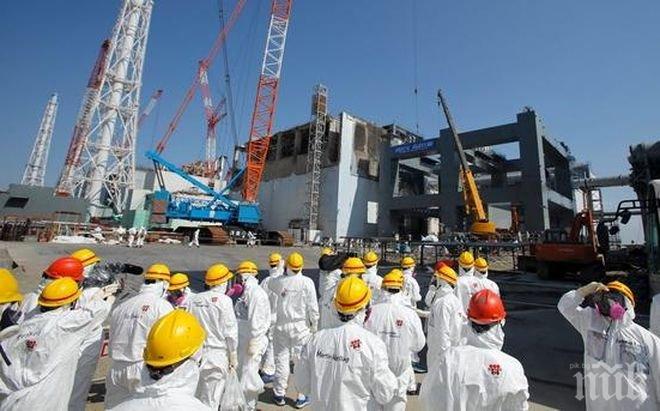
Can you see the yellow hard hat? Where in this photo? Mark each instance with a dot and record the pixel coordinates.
(447, 273)
(393, 280)
(217, 274)
(481, 264)
(173, 338)
(352, 295)
(623, 289)
(178, 281)
(407, 262)
(353, 266)
(158, 272)
(85, 256)
(295, 261)
(247, 267)
(274, 259)
(370, 259)
(466, 260)
(10, 292)
(60, 292)
(326, 251)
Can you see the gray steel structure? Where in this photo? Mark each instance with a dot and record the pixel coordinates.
(317, 137)
(538, 182)
(40, 203)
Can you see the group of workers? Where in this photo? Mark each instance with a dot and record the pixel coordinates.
(354, 346)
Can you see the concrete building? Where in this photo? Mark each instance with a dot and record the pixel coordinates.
(378, 181)
(40, 203)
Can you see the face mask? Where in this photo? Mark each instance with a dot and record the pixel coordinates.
(274, 271)
(176, 297)
(610, 305)
(290, 272)
(373, 270)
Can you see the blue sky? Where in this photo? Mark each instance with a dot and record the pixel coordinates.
(590, 68)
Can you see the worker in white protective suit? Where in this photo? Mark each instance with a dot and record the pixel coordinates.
(90, 349)
(62, 267)
(445, 322)
(43, 350)
(618, 354)
(141, 236)
(297, 316)
(10, 299)
(478, 376)
(276, 264)
(130, 322)
(215, 312)
(400, 328)
(411, 295)
(655, 316)
(195, 239)
(252, 310)
(170, 371)
(346, 367)
(131, 236)
(179, 293)
(474, 279)
(371, 276)
(330, 265)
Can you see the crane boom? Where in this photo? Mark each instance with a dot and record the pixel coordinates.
(208, 60)
(474, 204)
(266, 99)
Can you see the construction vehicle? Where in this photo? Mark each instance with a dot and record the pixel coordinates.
(481, 226)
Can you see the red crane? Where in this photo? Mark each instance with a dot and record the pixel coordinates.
(65, 183)
(206, 62)
(266, 99)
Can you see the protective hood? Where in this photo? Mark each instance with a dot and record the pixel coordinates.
(492, 339)
(409, 271)
(463, 272)
(158, 288)
(372, 271)
(183, 380)
(221, 288)
(249, 281)
(480, 274)
(277, 270)
(626, 321)
(292, 273)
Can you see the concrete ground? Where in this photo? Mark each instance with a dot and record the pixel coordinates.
(549, 349)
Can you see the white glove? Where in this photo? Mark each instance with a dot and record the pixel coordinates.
(253, 348)
(233, 360)
(591, 288)
(422, 313)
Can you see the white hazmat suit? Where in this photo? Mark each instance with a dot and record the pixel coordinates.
(297, 317)
(327, 287)
(346, 368)
(43, 355)
(374, 281)
(615, 352)
(470, 283)
(399, 327)
(130, 323)
(268, 363)
(215, 313)
(131, 236)
(655, 316)
(445, 323)
(476, 376)
(253, 315)
(410, 290)
(173, 392)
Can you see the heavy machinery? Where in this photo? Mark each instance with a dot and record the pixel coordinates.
(481, 226)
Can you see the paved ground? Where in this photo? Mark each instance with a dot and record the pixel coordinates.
(549, 349)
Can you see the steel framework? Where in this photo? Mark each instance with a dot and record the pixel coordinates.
(35, 169)
(266, 98)
(81, 129)
(106, 169)
(317, 140)
(213, 116)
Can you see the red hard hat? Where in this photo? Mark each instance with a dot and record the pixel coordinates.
(439, 265)
(486, 308)
(65, 267)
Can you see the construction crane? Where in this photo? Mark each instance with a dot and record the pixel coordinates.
(65, 185)
(35, 169)
(213, 116)
(206, 62)
(153, 100)
(266, 99)
(481, 226)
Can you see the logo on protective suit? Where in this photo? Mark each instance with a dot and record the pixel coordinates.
(355, 344)
(31, 344)
(495, 369)
(399, 323)
(214, 299)
(145, 308)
